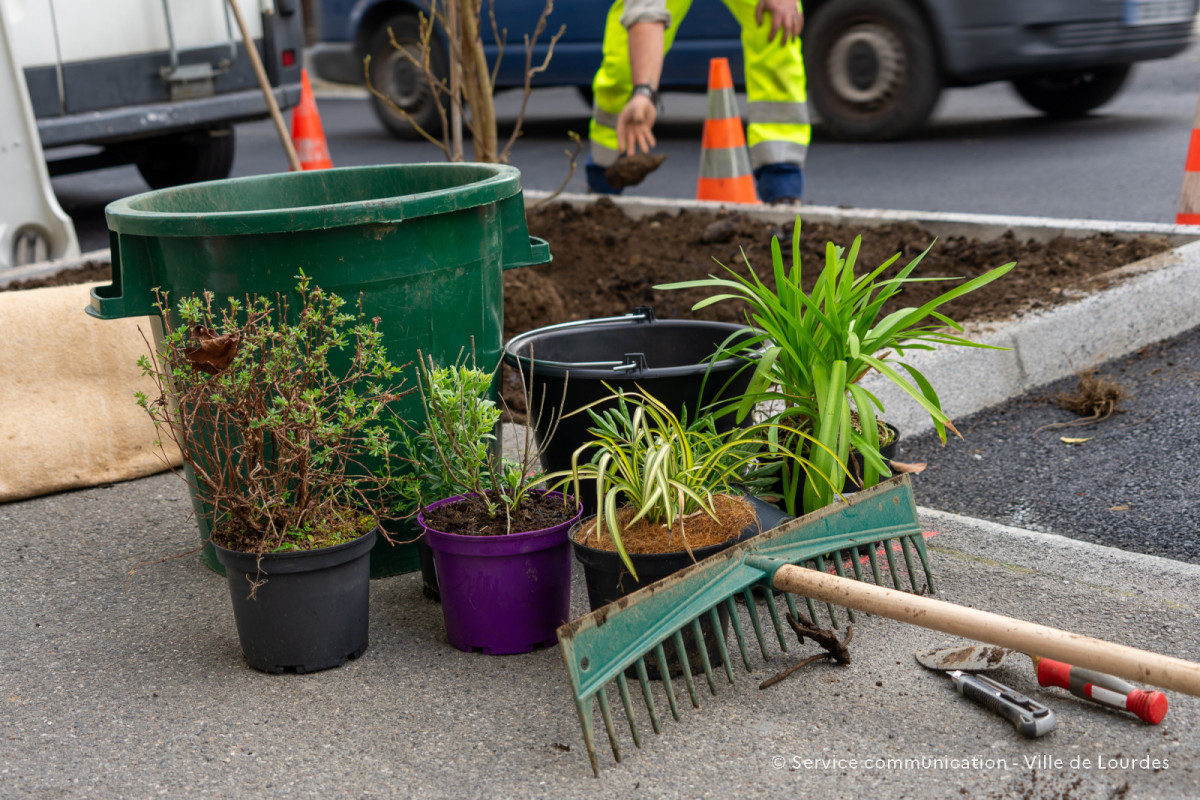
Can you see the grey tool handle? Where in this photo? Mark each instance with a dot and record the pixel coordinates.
(1029, 717)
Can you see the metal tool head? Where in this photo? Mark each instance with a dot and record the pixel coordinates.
(625, 638)
(973, 658)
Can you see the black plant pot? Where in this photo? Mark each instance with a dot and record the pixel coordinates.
(607, 580)
(312, 611)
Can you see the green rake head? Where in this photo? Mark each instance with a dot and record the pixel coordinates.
(614, 643)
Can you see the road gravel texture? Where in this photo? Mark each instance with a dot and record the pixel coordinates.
(1133, 484)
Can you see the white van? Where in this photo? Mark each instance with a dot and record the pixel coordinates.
(156, 83)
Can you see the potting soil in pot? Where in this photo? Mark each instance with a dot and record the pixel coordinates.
(644, 537)
(468, 517)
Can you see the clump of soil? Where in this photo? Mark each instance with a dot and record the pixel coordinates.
(469, 516)
(1096, 396)
(699, 529)
(632, 170)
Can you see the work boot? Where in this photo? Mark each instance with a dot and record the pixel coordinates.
(781, 183)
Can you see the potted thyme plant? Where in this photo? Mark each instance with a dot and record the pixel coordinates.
(499, 539)
(273, 403)
(811, 349)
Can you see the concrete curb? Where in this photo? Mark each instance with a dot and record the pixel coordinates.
(1156, 298)
(1173, 582)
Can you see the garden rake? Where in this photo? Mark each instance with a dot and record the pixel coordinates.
(625, 635)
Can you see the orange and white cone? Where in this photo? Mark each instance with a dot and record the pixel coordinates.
(725, 172)
(1189, 198)
(307, 134)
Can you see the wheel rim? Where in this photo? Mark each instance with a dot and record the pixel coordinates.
(866, 65)
(404, 82)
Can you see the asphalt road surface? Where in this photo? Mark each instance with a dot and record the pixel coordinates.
(1129, 481)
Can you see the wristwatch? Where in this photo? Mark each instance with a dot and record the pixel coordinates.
(648, 91)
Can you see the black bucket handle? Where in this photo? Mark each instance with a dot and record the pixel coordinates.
(633, 362)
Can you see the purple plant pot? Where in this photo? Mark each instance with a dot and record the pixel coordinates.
(503, 594)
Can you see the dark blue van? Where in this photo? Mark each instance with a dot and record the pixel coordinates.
(875, 67)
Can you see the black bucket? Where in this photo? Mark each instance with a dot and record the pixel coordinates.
(671, 359)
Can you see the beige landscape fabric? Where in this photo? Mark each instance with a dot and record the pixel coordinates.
(67, 414)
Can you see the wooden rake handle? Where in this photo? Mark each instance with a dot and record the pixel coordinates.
(983, 626)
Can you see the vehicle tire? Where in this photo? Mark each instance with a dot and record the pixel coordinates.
(1073, 94)
(872, 70)
(404, 82)
(187, 158)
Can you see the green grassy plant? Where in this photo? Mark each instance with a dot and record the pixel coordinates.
(646, 457)
(816, 347)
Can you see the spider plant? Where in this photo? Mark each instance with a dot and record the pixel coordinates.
(816, 347)
(645, 457)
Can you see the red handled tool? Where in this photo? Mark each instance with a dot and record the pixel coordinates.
(1103, 689)
(1097, 687)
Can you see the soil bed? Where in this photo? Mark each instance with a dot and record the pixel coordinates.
(606, 264)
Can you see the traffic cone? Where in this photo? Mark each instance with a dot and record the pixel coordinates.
(1189, 198)
(307, 134)
(725, 172)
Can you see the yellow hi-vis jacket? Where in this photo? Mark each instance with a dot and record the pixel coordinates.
(778, 130)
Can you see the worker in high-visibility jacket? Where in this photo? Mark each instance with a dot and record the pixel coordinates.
(638, 34)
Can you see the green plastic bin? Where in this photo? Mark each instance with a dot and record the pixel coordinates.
(425, 245)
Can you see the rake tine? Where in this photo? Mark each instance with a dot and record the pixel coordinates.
(606, 715)
(698, 636)
(828, 606)
(644, 680)
(774, 612)
(623, 688)
(873, 557)
(791, 604)
(919, 542)
(856, 562)
(686, 663)
(664, 677)
(584, 708)
(906, 548)
(891, 559)
(737, 630)
(715, 619)
(840, 568)
(752, 610)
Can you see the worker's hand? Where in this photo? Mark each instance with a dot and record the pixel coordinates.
(786, 18)
(635, 126)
